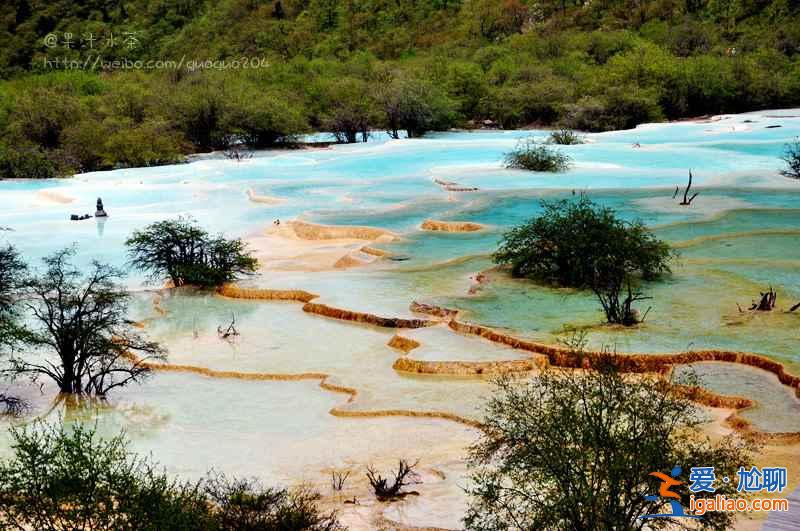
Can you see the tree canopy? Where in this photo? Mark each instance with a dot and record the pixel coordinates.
(578, 243)
(12, 279)
(181, 251)
(575, 451)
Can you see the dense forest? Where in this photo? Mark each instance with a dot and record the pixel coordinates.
(97, 84)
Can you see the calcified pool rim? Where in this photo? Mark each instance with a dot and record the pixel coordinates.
(542, 356)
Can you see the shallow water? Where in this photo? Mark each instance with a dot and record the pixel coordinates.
(741, 235)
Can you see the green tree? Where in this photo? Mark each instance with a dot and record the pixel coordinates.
(467, 86)
(577, 243)
(184, 253)
(617, 109)
(353, 111)
(41, 115)
(199, 108)
(12, 279)
(416, 106)
(262, 117)
(574, 450)
(25, 161)
(150, 143)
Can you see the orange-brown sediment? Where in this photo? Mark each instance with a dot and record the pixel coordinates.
(235, 292)
(563, 357)
(404, 344)
(368, 318)
(406, 413)
(468, 368)
(429, 309)
(450, 226)
(375, 252)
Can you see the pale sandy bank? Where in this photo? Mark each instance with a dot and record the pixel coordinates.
(51, 196)
(303, 246)
(264, 199)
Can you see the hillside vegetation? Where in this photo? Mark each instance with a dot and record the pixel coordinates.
(351, 66)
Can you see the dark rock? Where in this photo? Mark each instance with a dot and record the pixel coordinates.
(100, 213)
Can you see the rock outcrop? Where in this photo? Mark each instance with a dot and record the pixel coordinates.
(100, 212)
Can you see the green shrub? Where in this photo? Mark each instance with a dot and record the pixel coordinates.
(70, 479)
(182, 252)
(243, 504)
(25, 162)
(12, 278)
(584, 245)
(530, 155)
(416, 106)
(519, 102)
(565, 137)
(618, 109)
(65, 479)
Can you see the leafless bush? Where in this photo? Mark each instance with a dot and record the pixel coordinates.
(230, 332)
(11, 405)
(338, 479)
(238, 153)
(404, 476)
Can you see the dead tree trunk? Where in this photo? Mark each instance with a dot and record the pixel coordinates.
(686, 199)
(230, 331)
(766, 302)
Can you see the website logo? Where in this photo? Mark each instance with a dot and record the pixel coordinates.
(702, 479)
(665, 492)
